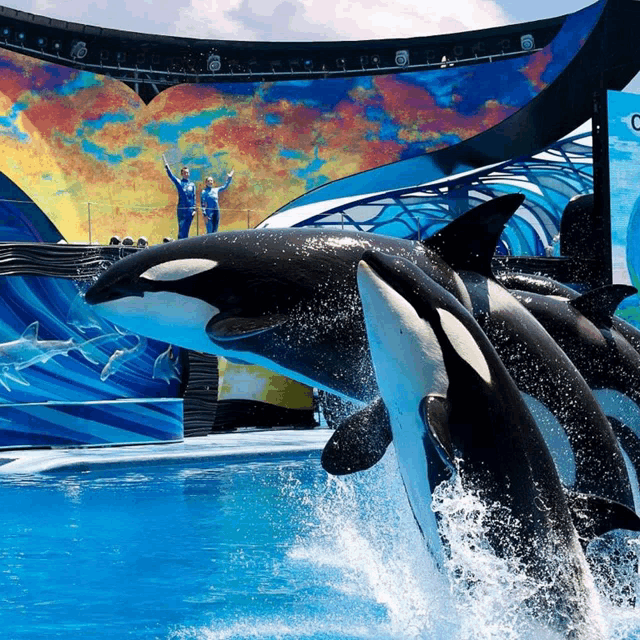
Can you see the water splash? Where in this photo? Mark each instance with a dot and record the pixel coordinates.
(360, 565)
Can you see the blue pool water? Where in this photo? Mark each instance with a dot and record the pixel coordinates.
(254, 548)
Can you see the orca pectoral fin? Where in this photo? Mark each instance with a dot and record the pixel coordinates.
(435, 412)
(469, 242)
(359, 442)
(599, 305)
(235, 328)
(594, 516)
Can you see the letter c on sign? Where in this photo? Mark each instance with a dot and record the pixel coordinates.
(635, 121)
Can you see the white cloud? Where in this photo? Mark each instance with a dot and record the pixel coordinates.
(288, 20)
(285, 20)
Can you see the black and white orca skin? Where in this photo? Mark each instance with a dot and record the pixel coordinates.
(546, 286)
(285, 299)
(593, 461)
(447, 391)
(606, 359)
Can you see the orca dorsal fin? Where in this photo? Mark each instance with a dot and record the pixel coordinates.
(469, 242)
(31, 332)
(599, 305)
(359, 442)
(435, 411)
(594, 516)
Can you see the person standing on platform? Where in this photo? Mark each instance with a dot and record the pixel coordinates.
(209, 202)
(186, 199)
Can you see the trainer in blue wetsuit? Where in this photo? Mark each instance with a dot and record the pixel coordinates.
(186, 200)
(209, 202)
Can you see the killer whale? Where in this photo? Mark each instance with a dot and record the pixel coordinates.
(450, 397)
(585, 328)
(287, 299)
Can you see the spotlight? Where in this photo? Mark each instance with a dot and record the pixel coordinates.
(294, 63)
(41, 41)
(214, 63)
(341, 63)
(127, 242)
(505, 44)
(79, 49)
(527, 42)
(430, 54)
(121, 56)
(104, 54)
(155, 59)
(308, 65)
(167, 239)
(57, 45)
(375, 60)
(114, 240)
(141, 58)
(458, 50)
(20, 36)
(6, 32)
(142, 243)
(402, 58)
(478, 48)
(364, 61)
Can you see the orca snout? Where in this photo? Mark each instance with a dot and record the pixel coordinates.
(103, 291)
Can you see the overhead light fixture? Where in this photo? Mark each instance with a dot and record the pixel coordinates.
(57, 45)
(527, 43)
(308, 64)
(364, 61)
(41, 42)
(341, 63)
(21, 36)
(375, 60)
(79, 49)
(6, 32)
(214, 63)
(121, 56)
(402, 58)
(458, 50)
(104, 54)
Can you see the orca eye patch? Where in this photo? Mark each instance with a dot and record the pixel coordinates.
(178, 269)
(464, 344)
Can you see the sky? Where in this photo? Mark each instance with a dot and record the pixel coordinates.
(301, 20)
(287, 20)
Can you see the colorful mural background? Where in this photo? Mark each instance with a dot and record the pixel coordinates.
(88, 151)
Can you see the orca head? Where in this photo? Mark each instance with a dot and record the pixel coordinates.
(177, 291)
(407, 356)
(424, 345)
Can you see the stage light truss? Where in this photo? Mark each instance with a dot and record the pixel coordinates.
(199, 66)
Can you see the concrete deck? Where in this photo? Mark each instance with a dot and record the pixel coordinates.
(215, 447)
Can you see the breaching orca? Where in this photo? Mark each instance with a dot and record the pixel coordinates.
(287, 299)
(585, 328)
(451, 400)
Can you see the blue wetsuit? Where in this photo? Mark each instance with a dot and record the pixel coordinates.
(186, 203)
(209, 204)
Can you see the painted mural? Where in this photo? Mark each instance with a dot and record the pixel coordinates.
(88, 151)
(624, 178)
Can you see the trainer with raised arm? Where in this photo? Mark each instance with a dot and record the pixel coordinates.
(209, 202)
(186, 199)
